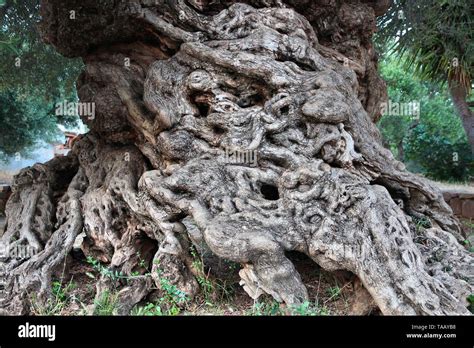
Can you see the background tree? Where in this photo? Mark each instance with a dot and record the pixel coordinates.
(34, 78)
(432, 142)
(24, 121)
(435, 37)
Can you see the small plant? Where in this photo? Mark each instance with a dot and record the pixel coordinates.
(142, 262)
(470, 299)
(273, 308)
(150, 309)
(212, 289)
(56, 304)
(421, 223)
(266, 308)
(334, 292)
(307, 309)
(172, 298)
(106, 303)
(469, 245)
(205, 283)
(60, 292)
(115, 276)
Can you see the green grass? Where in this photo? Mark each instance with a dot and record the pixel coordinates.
(173, 299)
(421, 223)
(150, 309)
(170, 303)
(61, 297)
(115, 276)
(273, 308)
(213, 290)
(217, 296)
(57, 303)
(106, 304)
(334, 292)
(470, 299)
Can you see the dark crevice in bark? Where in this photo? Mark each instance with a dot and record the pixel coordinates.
(269, 192)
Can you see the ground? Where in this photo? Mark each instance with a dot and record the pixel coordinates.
(333, 295)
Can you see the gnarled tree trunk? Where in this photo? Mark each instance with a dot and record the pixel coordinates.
(183, 87)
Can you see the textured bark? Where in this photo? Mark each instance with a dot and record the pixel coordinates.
(459, 97)
(294, 81)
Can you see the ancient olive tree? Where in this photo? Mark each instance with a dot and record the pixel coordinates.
(181, 87)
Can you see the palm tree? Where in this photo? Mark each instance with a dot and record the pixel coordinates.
(435, 37)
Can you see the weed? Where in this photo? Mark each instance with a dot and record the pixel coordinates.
(307, 309)
(60, 292)
(468, 245)
(169, 303)
(470, 299)
(334, 292)
(266, 308)
(272, 308)
(421, 223)
(172, 298)
(212, 289)
(106, 303)
(150, 309)
(56, 304)
(115, 276)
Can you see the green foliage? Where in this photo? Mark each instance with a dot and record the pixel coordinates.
(434, 37)
(60, 292)
(212, 289)
(34, 78)
(439, 157)
(150, 309)
(169, 303)
(172, 298)
(57, 303)
(470, 299)
(23, 122)
(421, 223)
(308, 309)
(106, 304)
(266, 308)
(273, 308)
(435, 144)
(334, 292)
(40, 70)
(113, 275)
